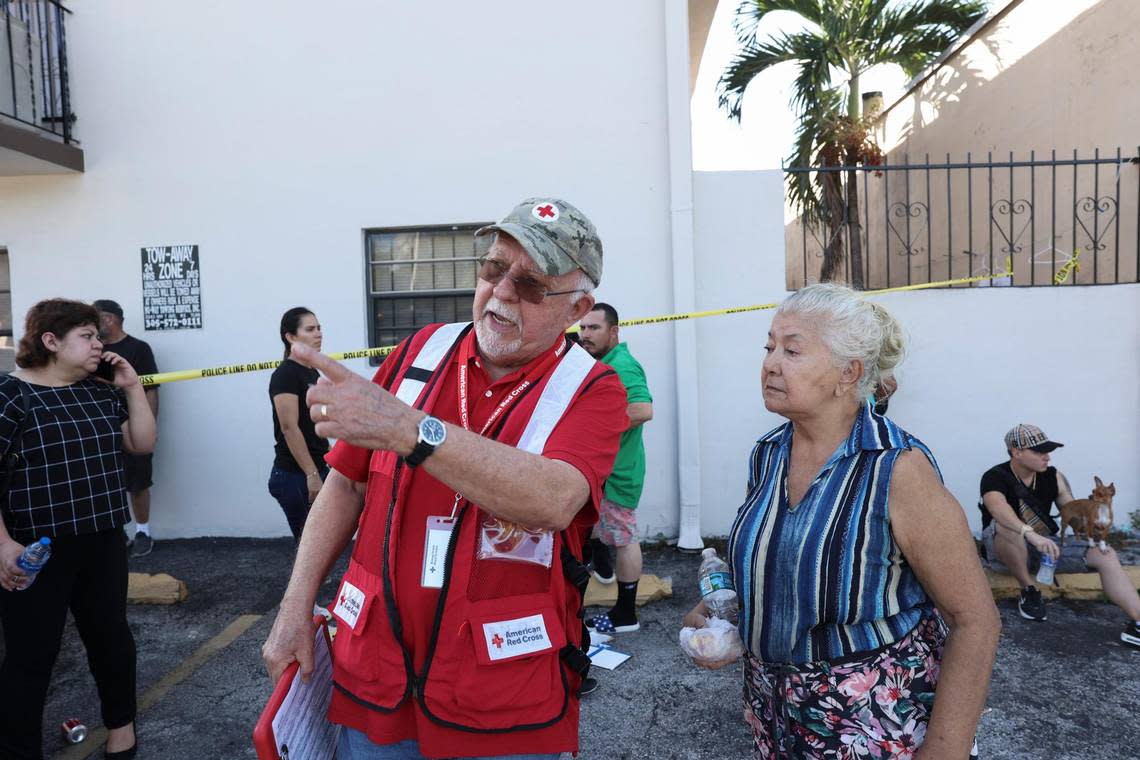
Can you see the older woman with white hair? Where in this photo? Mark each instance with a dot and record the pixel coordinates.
(868, 624)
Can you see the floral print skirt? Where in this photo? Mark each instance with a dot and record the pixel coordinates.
(874, 705)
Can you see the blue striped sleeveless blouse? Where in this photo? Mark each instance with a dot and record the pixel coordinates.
(825, 580)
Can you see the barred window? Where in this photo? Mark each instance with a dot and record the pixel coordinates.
(417, 276)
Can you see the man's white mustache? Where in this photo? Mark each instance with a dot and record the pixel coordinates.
(505, 311)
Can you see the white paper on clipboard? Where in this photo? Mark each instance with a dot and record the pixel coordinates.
(301, 728)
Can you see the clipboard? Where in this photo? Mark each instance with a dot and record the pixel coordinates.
(302, 703)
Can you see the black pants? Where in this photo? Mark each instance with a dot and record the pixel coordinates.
(291, 489)
(88, 575)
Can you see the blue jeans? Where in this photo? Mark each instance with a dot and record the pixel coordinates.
(290, 488)
(355, 745)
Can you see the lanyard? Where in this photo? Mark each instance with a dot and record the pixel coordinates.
(505, 404)
(465, 355)
(508, 400)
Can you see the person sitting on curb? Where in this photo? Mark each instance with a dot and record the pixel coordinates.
(1016, 537)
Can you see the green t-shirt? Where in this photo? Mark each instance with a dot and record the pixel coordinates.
(624, 484)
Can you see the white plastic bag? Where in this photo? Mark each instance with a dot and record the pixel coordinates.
(716, 642)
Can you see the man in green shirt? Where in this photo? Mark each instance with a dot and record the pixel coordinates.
(617, 527)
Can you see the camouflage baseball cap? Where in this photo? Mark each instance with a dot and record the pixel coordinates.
(557, 236)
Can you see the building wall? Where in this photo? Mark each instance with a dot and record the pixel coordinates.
(980, 361)
(1041, 77)
(983, 360)
(738, 228)
(274, 151)
(1046, 75)
(272, 134)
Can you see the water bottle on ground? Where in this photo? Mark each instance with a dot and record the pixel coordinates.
(33, 559)
(1045, 571)
(715, 581)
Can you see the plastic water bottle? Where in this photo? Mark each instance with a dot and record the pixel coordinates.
(715, 581)
(1045, 571)
(33, 559)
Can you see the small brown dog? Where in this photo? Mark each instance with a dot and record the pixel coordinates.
(1091, 516)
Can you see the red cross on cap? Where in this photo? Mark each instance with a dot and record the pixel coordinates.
(545, 212)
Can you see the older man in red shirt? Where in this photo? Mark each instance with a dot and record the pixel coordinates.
(473, 466)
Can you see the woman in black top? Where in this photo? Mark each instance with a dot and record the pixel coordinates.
(299, 466)
(63, 433)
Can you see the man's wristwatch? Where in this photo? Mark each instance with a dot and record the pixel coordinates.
(431, 436)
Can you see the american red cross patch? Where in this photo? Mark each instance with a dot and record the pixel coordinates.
(349, 604)
(545, 212)
(519, 636)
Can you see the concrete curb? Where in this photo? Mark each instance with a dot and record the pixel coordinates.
(1083, 586)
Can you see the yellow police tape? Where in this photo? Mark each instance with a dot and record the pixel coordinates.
(234, 369)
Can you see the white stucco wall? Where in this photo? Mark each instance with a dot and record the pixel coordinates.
(980, 361)
(271, 134)
(273, 151)
(1065, 359)
(739, 230)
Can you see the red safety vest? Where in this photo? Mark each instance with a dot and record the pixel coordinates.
(495, 659)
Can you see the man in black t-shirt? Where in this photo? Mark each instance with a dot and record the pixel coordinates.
(137, 469)
(1017, 528)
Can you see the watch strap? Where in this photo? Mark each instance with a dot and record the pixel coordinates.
(421, 452)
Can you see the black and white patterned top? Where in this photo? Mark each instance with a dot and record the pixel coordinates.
(68, 479)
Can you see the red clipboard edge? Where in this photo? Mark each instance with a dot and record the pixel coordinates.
(264, 743)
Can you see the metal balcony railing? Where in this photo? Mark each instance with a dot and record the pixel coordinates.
(33, 66)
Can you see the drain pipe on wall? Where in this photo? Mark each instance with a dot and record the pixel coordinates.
(684, 290)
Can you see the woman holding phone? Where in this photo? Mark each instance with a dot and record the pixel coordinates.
(63, 433)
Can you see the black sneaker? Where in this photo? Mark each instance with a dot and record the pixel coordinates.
(589, 686)
(1131, 634)
(1031, 605)
(142, 545)
(603, 565)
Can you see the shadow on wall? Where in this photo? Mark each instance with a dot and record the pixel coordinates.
(929, 226)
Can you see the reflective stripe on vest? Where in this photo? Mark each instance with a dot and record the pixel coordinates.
(564, 382)
(427, 360)
(560, 389)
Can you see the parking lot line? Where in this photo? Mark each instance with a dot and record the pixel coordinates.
(97, 737)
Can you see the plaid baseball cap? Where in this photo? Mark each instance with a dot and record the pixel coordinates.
(1025, 436)
(558, 236)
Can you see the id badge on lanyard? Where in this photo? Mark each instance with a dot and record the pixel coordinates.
(437, 539)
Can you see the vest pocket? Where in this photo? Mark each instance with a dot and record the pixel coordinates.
(366, 658)
(502, 669)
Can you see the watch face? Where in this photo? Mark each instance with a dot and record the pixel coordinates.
(432, 431)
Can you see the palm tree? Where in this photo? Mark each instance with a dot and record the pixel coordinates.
(845, 37)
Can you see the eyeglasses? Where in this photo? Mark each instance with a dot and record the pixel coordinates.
(528, 288)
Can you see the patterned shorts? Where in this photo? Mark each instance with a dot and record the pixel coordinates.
(875, 706)
(617, 525)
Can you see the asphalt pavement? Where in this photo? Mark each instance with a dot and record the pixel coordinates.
(1061, 689)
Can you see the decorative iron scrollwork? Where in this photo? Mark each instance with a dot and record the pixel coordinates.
(1011, 209)
(905, 212)
(1092, 208)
